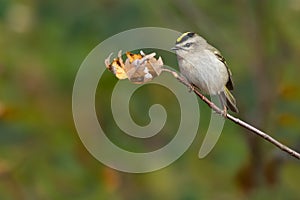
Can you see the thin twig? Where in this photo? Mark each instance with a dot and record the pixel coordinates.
(234, 119)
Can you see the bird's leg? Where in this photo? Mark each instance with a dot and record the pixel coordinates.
(224, 114)
(194, 87)
(223, 104)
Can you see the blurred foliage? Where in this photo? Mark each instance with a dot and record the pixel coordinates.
(42, 44)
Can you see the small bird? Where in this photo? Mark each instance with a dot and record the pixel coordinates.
(205, 68)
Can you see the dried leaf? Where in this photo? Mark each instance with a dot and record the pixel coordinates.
(138, 68)
(116, 67)
(132, 56)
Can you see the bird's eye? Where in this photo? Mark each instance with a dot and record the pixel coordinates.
(188, 44)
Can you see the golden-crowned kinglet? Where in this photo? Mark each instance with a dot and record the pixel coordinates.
(205, 68)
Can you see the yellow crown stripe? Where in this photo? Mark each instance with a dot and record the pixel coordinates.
(182, 36)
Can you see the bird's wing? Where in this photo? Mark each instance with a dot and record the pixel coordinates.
(217, 53)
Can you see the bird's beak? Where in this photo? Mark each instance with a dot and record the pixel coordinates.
(175, 48)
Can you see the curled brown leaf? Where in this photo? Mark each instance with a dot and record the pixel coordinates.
(138, 68)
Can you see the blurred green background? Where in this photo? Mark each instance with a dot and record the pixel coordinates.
(42, 44)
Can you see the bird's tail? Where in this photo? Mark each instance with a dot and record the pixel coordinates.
(228, 99)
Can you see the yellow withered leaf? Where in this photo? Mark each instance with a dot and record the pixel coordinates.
(117, 67)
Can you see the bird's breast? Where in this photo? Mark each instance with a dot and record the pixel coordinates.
(206, 72)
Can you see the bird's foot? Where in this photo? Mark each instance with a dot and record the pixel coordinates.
(192, 87)
(224, 112)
